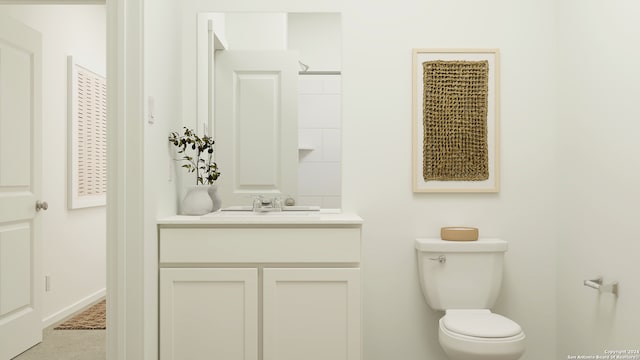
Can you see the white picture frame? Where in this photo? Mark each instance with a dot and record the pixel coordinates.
(87, 136)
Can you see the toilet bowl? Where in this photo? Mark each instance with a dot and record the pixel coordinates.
(463, 279)
(480, 335)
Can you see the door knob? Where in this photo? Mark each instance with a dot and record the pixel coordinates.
(41, 205)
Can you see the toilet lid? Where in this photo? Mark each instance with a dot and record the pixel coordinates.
(480, 323)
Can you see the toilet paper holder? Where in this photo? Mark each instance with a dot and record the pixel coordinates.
(599, 285)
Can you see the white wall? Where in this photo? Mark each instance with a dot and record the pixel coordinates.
(162, 82)
(249, 31)
(599, 173)
(377, 165)
(376, 183)
(74, 248)
(318, 37)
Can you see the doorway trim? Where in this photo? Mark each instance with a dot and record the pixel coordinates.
(125, 165)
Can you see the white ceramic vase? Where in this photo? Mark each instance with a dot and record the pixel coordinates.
(215, 197)
(197, 201)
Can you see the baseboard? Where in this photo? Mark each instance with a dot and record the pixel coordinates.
(69, 310)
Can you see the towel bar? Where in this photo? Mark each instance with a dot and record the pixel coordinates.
(598, 284)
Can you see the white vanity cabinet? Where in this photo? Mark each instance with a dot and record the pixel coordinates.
(208, 313)
(260, 289)
(311, 313)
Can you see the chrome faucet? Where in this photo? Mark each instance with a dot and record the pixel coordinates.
(262, 204)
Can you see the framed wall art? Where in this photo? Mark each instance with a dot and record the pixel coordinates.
(87, 136)
(456, 120)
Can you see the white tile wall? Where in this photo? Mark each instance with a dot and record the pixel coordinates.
(331, 144)
(319, 110)
(319, 179)
(325, 202)
(332, 84)
(310, 143)
(320, 139)
(331, 202)
(310, 84)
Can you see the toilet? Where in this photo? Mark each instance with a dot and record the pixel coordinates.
(463, 279)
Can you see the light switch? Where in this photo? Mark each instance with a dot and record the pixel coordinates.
(152, 110)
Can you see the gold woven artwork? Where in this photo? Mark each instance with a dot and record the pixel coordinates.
(455, 107)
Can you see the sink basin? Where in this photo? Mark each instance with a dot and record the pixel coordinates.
(295, 208)
(246, 214)
(251, 214)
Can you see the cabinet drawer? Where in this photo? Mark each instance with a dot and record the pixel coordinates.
(259, 245)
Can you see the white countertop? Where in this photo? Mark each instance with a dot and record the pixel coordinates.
(322, 217)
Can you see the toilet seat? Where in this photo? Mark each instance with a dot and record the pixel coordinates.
(480, 335)
(479, 323)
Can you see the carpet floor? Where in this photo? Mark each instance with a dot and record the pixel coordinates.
(68, 345)
(93, 318)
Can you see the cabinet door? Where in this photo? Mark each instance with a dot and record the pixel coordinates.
(208, 314)
(311, 314)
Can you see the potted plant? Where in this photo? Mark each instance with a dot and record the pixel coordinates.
(197, 157)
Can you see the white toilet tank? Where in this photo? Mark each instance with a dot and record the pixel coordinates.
(460, 274)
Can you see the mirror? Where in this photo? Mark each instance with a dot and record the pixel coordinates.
(274, 104)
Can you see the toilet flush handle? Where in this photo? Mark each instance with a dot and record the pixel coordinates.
(441, 259)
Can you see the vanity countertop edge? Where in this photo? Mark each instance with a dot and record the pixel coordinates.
(263, 219)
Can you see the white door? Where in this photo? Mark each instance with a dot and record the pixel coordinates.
(311, 314)
(20, 173)
(255, 123)
(208, 314)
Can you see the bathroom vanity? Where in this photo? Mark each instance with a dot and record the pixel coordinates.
(276, 286)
